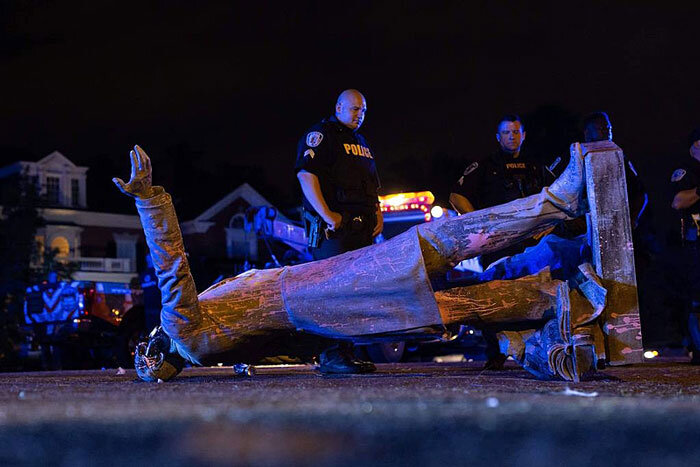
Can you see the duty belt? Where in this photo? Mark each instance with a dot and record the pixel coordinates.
(352, 223)
(691, 232)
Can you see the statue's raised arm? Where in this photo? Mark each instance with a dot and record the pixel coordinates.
(179, 304)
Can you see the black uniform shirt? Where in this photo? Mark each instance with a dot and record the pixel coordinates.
(498, 179)
(685, 178)
(344, 164)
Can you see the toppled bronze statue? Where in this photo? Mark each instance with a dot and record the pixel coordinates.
(379, 291)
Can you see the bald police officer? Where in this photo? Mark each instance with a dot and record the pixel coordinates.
(335, 167)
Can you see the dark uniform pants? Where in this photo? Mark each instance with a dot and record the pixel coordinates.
(691, 259)
(355, 233)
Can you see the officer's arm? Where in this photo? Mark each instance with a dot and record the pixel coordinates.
(686, 198)
(460, 203)
(312, 190)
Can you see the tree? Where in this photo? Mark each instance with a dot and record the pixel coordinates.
(19, 221)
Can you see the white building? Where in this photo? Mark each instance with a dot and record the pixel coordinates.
(104, 245)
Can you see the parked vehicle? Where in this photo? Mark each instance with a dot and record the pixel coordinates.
(82, 324)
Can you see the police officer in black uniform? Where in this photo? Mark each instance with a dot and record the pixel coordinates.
(335, 167)
(686, 200)
(502, 177)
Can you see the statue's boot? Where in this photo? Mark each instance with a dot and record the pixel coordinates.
(157, 358)
(567, 191)
(565, 347)
(550, 334)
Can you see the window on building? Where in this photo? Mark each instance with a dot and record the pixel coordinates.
(53, 190)
(75, 192)
(237, 222)
(61, 245)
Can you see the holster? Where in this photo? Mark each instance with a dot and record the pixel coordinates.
(314, 226)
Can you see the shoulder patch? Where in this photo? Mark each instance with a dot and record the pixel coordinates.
(314, 138)
(678, 175)
(471, 168)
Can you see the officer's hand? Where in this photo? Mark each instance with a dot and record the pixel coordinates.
(333, 220)
(380, 224)
(139, 185)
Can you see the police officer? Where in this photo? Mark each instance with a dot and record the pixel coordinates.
(597, 127)
(686, 200)
(503, 176)
(335, 167)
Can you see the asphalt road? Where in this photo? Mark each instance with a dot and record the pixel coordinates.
(405, 414)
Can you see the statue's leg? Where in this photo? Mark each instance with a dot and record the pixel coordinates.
(560, 329)
(565, 347)
(446, 243)
(529, 298)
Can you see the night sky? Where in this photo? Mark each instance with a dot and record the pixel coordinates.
(219, 92)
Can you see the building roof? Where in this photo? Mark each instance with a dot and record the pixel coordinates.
(54, 161)
(204, 221)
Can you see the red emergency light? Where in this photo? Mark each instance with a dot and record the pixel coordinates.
(410, 201)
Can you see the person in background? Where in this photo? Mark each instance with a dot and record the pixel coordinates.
(685, 182)
(505, 175)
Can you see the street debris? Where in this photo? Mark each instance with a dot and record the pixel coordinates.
(572, 392)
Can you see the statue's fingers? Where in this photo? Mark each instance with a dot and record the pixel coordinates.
(142, 157)
(134, 164)
(148, 164)
(139, 157)
(120, 184)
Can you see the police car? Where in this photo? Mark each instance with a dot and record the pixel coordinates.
(83, 324)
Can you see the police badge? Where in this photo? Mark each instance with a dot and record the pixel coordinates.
(677, 175)
(314, 138)
(471, 168)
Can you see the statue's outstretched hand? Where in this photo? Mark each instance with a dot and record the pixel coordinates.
(139, 186)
